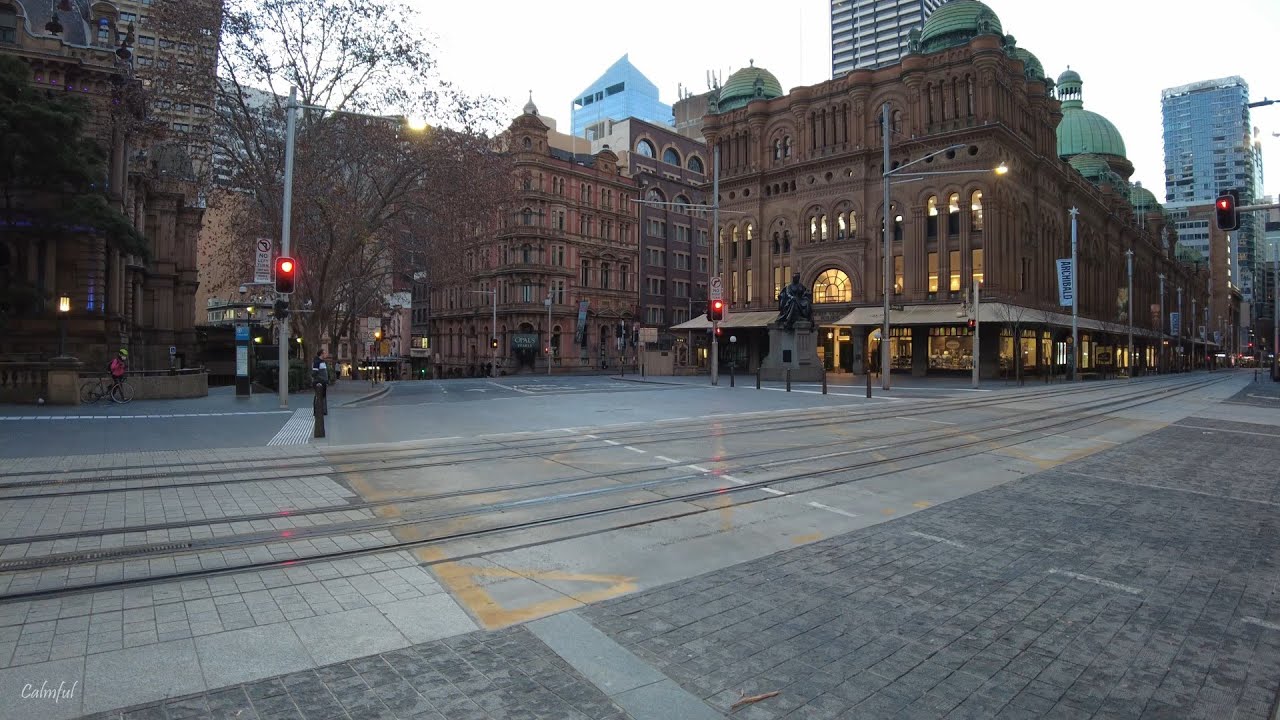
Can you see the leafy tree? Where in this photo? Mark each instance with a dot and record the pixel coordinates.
(372, 199)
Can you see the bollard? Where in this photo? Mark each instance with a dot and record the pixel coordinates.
(319, 408)
(824, 383)
(733, 374)
(868, 384)
(757, 378)
(788, 379)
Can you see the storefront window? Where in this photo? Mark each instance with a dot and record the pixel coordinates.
(950, 348)
(900, 348)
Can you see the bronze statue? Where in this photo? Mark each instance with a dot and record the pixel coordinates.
(794, 303)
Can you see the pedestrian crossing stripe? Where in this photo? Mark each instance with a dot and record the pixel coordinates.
(297, 431)
(140, 417)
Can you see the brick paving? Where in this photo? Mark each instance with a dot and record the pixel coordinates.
(1079, 592)
(505, 675)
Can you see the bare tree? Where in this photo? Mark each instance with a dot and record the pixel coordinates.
(371, 197)
(1015, 316)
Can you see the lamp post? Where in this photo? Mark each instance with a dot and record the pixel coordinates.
(64, 307)
(1075, 300)
(977, 325)
(1163, 335)
(887, 251)
(1128, 258)
(1180, 329)
(493, 339)
(548, 304)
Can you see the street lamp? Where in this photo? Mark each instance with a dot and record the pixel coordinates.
(547, 302)
(64, 307)
(885, 176)
(493, 342)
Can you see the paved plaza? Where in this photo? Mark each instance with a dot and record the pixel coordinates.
(1100, 564)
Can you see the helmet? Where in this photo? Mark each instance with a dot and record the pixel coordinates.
(124, 353)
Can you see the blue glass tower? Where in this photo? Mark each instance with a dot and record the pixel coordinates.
(621, 92)
(1208, 150)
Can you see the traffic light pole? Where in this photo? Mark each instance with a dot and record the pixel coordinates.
(977, 325)
(715, 260)
(291, 127)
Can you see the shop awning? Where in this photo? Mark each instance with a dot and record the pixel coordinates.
(955, 313)
(755, 319)
(932, 314)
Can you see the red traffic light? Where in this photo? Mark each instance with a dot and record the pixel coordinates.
(285, 271)
(286, 265)
(972, 323)
(715, 310)
(1228, 216)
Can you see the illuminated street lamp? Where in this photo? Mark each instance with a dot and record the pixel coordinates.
(64, 307)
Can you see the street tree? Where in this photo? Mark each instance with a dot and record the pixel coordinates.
(375, 199)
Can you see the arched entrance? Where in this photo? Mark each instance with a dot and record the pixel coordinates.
(524, 346)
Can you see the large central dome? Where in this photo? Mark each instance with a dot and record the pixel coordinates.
(749, 83)
(956, 23)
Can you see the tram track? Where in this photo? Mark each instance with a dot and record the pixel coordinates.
(1098, 413)
(900, 437)
(516, 449)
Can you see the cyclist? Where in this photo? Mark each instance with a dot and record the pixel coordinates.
(119, 366)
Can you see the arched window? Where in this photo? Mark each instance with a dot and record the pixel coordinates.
(786, 146)
(555, 341)
(682, 204)
(777, 149)
(733, 252)
(975, 206)
(604, 276)
(842, 227)
(655, 194)
(895, 123)
(813, 228)
(786, 241)
(822, 228)
(695, 164)
(932, 220)
(645, 148)
(586, 273)
(526, 254)
(528, 143)
(853, 222)
(897, 224)
(526, 216)
(671, 157)
(953, 214)
(777, 244)
(751, 233)
(832, 286)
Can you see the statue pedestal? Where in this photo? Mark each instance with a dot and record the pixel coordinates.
(795, 350)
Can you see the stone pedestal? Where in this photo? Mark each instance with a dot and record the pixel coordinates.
(795, 350)
(64, 381)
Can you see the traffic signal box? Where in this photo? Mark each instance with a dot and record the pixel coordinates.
(1228, 215)
(286, 271)
(715, 310)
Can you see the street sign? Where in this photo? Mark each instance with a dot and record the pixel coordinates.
(1066, 283)
(173, 350)
(262, 261)
(717, 288)
(648, 335)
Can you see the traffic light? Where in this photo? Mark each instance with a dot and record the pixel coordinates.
(493, 343)
(972, 323)
(715, 310)
(286, 270)
(1228, 215)
(280, 309)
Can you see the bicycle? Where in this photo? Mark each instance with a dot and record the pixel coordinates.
(120, 391)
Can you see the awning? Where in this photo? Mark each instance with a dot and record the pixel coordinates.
(1003, 313)
(932, 314)
(755, 319)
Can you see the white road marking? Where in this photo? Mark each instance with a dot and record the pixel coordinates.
(593, 437)
(476, 390)
(1096, 581)
(634, 449)
(297, 431)
(1237, 432)
(1260, 623)
(140, 417)
(771, 491)
(698, 468)
(734, 480)
(935, 538)
(665, 459)
(837, 511)
(612, 442)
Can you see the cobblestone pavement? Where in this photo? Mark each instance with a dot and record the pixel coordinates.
(1082, 591)
(508, 674)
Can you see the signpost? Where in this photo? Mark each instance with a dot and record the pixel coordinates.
(717, 288)
(242, 360)
(262, 261)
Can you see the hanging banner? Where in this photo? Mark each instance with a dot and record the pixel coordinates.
(1175, 324)
(1066, 284)
(580, 337)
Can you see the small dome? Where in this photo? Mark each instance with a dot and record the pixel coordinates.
(1089, 165)
(1143, 200)
(1083, 131)
(749, 83)
(529, 107)
(956, 23)
(1034, 69)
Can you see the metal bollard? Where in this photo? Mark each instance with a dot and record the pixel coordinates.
(757, 378)
(868, 384)
(824, 383)
(788, 379)
(733, 374)
(319, 408)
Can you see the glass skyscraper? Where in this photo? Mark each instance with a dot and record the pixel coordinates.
(873, 33)
(621, 92)
(1208, 149)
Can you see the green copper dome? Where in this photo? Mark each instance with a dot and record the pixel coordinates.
(1142, 200)
(749, 83)
(1089, 165)
(1033, 68)
(956, 23)
(1082, 131)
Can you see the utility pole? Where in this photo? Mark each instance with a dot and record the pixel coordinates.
(1180, 323)
(1163, 334)
(887, 267)
(977, 325)
(286, 221)
(715, 259)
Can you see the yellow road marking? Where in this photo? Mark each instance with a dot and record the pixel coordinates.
(922, 504)
(806, 539)
(888, 511)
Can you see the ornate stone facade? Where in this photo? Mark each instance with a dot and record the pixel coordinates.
(118, 298)
(802, 180)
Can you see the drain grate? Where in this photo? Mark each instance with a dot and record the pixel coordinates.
(76, 558)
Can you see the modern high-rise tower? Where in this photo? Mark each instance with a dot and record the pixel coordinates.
(621, 92)
(873, 33)
(1209, 149)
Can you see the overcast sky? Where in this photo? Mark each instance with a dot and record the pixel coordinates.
(1126, 51)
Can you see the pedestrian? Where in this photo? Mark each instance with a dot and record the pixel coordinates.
(320, 369)
(119, 366)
